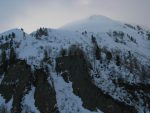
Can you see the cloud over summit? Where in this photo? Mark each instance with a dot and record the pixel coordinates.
(31, 14)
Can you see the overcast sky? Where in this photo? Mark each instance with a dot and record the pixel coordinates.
(32, 14)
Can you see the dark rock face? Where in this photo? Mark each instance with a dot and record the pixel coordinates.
(45, 98)
(17, 82)
(92, 97)
(138, 92)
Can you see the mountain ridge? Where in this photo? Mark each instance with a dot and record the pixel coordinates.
(59, 64)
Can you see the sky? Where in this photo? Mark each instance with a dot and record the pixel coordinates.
(32, 14)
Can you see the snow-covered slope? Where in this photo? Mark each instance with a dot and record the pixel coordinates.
(134, 38)
(95, 23)
(130, 42)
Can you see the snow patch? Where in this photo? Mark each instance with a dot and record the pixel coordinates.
(67, 101)
(28, 102)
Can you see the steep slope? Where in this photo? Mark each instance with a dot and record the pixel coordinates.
(106, 30)
(93, 98)
(117, 68)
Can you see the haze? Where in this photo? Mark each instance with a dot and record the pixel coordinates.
(32, 14)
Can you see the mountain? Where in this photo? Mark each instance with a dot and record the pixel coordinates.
(96, 65)
(95, 23)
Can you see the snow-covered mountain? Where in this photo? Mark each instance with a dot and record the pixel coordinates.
(95, 23)
(90, 66)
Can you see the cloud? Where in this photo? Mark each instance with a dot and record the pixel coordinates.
(31, 14)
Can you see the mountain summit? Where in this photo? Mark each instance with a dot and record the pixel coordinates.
(95, 65)
(95, 23)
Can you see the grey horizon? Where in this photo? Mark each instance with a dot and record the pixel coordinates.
(32, 14)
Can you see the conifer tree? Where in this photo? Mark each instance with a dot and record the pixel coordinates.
(12, 56)
(118, 60)
(98, 53)
(4, 60)
(6, 38)
(109, 55)
(63, 52)
(13, 35)
(45, 55)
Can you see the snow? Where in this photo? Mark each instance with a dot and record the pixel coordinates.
(1, 78)
(28, 102)
(7, 105)
(95, 23)
(32, 50)
(67, 101)
(2, 100)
